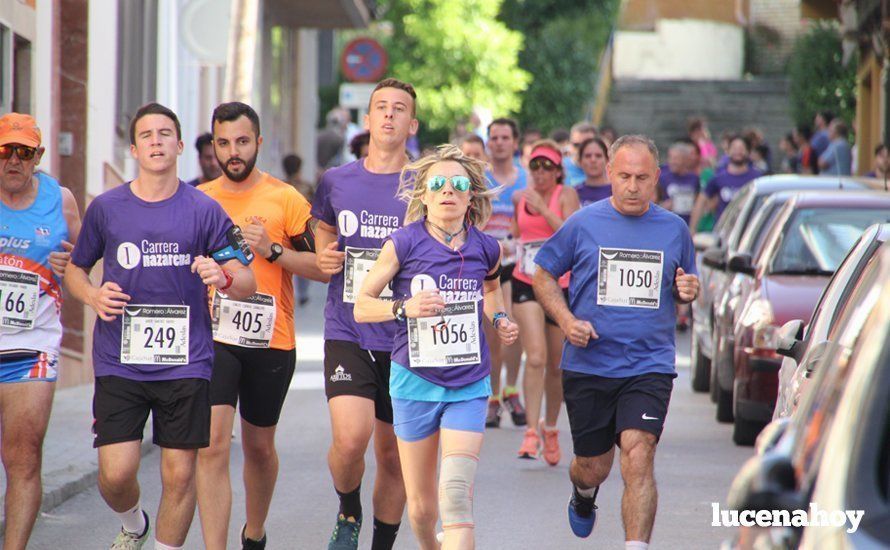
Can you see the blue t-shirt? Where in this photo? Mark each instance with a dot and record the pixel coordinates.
(819, 142)
(613, 259)
(574, 174)
(839, 158)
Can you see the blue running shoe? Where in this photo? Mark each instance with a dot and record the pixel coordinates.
(345, 535)
(582, 516)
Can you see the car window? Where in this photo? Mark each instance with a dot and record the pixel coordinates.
(746, 213)
(754, 236)
(817, 239)
(839, 289)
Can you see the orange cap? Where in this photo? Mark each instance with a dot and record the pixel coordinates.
(18, 128)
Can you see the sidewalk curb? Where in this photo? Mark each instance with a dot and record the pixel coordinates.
(61, 485)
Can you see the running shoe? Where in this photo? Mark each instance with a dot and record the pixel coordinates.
(551, 446)
(515, 408)
(345, 535)
(131, 541)
(493, 418)
(250, 544)
(582, 515)
(531, 444)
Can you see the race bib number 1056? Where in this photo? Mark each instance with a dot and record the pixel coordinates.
(630, 278)
(448, 340)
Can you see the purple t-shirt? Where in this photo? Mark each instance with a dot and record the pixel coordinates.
(459, 275)
(726, 185)
(147, 248)
(364, 208)
(589, 194)
(681, 189)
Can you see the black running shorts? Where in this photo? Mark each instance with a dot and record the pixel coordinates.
(258, 377)
(601, 408)
(523, 292)
(180, 411)
(351, 370)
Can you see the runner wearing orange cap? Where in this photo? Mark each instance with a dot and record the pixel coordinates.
(39, 222)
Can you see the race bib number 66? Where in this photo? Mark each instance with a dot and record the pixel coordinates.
(629, 278)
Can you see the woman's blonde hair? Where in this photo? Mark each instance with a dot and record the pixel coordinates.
(412, 184)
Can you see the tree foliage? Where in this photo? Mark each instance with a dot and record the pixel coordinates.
(563, 43)
(819, 79)
(456, 54)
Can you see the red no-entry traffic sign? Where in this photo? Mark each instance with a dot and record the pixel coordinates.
(363, 60)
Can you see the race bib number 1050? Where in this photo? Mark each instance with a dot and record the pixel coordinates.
(155, 335)
(630, 278)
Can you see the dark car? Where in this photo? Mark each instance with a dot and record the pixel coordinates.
(720, 244)
(835, 449)
(809, 239)
(802, 347)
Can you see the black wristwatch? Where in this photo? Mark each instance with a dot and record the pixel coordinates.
(277, 249)
(398, 310)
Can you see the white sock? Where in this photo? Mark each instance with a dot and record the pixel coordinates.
(133, 520)
(586, 493)
(161, 546)
(636, 545)
(550, 428)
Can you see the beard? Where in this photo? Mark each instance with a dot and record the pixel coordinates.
(240, 176)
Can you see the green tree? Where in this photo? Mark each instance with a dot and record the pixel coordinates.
(563, 43)
(456, 54)
(819, 79)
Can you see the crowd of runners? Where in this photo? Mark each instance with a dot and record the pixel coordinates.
(442, 273)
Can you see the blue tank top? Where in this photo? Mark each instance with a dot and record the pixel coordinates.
(27, 237)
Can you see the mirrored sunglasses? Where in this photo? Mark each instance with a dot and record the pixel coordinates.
(459, 183)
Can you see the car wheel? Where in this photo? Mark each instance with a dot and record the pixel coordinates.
(724, 404)
(744, 432)
(713, 385)
(701, 368)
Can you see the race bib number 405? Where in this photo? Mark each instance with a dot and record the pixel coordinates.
(248, 323)
(630, 278)
(19, 291)
(155, 335)
(358, 263)
(448, 340)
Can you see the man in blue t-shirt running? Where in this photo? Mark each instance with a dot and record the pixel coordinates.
(631, 262)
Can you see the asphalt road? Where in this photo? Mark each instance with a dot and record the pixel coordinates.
(518, 503)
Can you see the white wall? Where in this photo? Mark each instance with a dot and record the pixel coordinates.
(680, 49)
(101, 67)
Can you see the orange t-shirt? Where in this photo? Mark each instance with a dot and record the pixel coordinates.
(284, 213)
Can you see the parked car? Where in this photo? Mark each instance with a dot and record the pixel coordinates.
(802, 347)
(834, 450)
(719, 245)
(724, 309)
(810, 237)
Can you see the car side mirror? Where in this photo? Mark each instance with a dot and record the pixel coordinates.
(715, 258)
(704, 241)
(765, 482)
(790, 337)
(741, 263)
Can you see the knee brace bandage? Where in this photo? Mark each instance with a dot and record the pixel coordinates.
(456, 490)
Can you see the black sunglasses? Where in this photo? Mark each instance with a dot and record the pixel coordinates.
(22, 151)
(539, 163)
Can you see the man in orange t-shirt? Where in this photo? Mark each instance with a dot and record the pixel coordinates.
(254, 355)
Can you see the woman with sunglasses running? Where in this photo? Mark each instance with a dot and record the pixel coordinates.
(592, 158)
(445, 276)
(540, 210)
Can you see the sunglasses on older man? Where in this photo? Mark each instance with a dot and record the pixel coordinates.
(460, 183)
(22, 151)
(539, 163)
